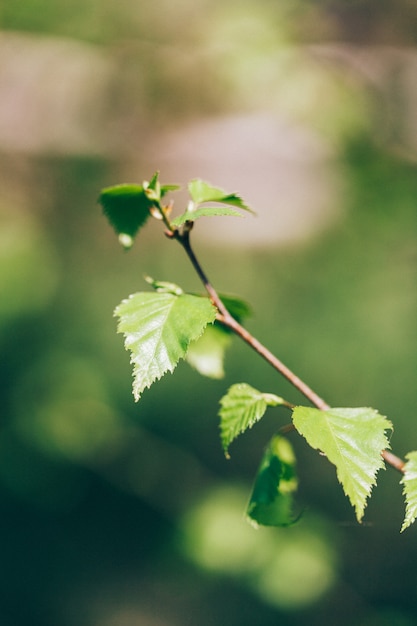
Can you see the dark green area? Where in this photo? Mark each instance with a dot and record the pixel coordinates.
(271, 502)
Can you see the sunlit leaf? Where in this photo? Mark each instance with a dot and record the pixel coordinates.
(201, 191)
(206, 354)
(127, 208)
(193, 215)
(158, 328)
(352, 439)
(409, 481)
(241, 408)
(272, 499)
(167, 188)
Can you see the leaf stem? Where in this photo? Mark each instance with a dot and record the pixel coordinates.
(225, 318)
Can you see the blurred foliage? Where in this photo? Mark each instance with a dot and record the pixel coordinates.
(111, 514)
(215, 538)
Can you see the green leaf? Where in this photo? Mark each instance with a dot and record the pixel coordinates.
(126, 207)
(195, 214)
(241, 408)
(158, 328)
(206, 354)
(352, 439)
(201, 191)
(167, 188)
(409, 481)
(272, 499)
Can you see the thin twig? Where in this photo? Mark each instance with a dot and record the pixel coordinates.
(256, 345)
(225, 318)
(184, 239)
(393, 460)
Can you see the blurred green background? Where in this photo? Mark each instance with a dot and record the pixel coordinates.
(117, 514)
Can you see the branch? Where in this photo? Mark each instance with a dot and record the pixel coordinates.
(225, 318)
(256, 345)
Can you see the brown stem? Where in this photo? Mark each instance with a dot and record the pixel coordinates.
(256, 345)
(228, 320)
(393, 460)
(184, 239)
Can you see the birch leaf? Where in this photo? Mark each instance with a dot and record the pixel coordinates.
(352, 439)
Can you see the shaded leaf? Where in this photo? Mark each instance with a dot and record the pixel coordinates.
(409, 481)
(237, 307)
(126, 207)
(206, 354)
(352, 439)
(158, 328)
(241, 408)
(272, 499)
(201, 191)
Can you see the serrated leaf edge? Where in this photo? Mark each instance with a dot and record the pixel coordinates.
(137, 394)
(360, 506)
(263, 400)
(409, 475)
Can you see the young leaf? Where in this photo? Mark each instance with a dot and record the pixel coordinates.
(352, 439)
(241, 408)
(271, 502)
(191, 216)
(162, 286)
(201, 191)
(166, 188)
(155, 191)
(126, 207)
(158, 328)
(409, 481)
(153, 188)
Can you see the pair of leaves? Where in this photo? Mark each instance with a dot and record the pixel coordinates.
(351, 438)
(167, 325)
(272, 499)
(128, 206)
